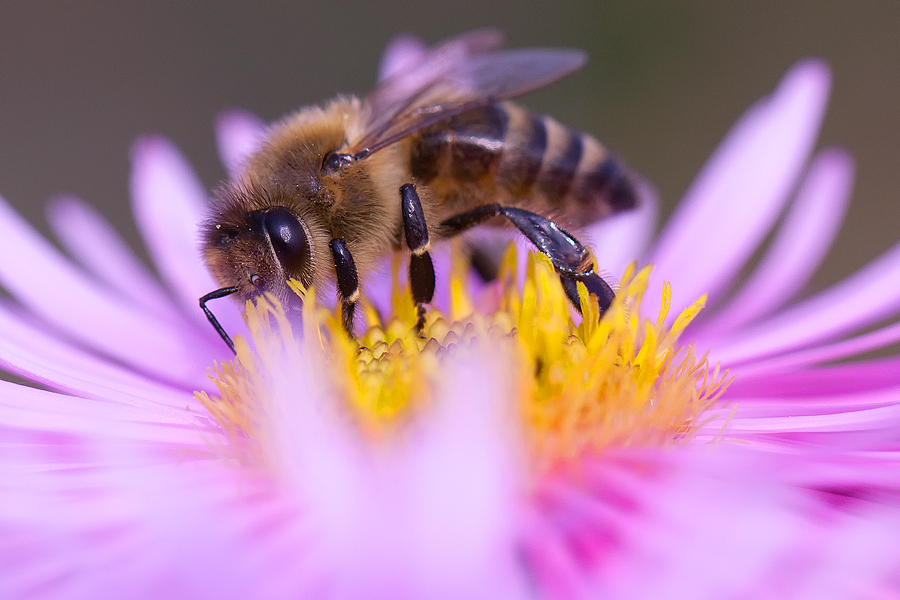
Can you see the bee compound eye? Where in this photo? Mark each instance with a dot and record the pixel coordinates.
(289, 240)
(255, 279)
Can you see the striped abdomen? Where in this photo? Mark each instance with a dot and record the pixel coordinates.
(503, 153)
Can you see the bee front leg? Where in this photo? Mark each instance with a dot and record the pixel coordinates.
(421, 269)
(219, 293)
(570, 258)
(347, 282)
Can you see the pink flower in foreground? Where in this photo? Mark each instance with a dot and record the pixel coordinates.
(116, 482)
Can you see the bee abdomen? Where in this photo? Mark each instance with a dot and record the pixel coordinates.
(570, 171)
(536, 160)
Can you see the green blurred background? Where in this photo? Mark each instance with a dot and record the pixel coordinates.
(79, 81)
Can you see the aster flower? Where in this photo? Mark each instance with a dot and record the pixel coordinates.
(517, 454)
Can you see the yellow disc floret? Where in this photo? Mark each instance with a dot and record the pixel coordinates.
(582, 384)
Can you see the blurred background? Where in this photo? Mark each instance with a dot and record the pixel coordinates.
(79, 81)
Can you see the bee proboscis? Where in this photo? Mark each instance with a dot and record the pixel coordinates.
(434, 150)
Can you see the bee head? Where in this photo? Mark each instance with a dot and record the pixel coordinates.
(260, 253)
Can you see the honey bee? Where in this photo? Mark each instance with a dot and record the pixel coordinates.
(434, 150)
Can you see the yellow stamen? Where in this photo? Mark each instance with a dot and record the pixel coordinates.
(583, 386)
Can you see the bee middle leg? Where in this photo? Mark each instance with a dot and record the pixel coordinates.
(421, 269)
(347, 282)
(572, 261)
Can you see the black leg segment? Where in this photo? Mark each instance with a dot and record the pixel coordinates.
(595, 285)
(347, 282)
(413, 220)
(421, 269)
(219, 293)
(461, 222)
(570, 258)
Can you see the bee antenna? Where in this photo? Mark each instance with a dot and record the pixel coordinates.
(219, 293)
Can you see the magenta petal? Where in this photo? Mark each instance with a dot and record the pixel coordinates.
(169, 205)
(803, 238)
(97, 246)
(782, 381)
(865, 298)
(401, 53)
(736, 198)
(792, 410)
(882, 417)
(66, 298)
(239, 134)
(741, 523)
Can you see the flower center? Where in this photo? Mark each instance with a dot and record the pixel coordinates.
(581, 386)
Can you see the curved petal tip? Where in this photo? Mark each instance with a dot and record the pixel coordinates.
(806, 86)
(813, 71)
(239, 134)
(401, 53)
(149, 146)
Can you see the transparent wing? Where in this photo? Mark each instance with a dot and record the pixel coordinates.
(394, 95)
(412, 52)
(455, 76)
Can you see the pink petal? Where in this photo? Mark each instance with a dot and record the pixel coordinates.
(65, 297)
(39, 356)
(820, 353)
(424, 517)
(735, 200)
(864, 298)
(401, 53)
(239, 134)
(442, 258)
(378, 286)
(169, 531)
(97, 246)
(169, 205)
(464, 477)
(803, 238)
(48, 412)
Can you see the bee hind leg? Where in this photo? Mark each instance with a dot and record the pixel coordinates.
(572, 261)
(347, 282)
(421, 269)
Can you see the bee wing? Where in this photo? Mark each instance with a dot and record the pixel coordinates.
(456, 76)
(405, 52)
(401, 89)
